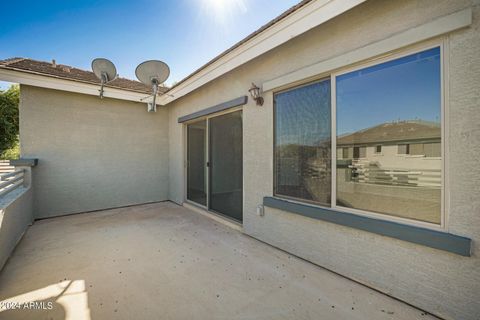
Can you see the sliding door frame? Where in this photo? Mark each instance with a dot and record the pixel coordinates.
(207, 182)
(207, 150)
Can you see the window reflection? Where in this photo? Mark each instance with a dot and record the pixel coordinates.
(389, 138)
(303, 143)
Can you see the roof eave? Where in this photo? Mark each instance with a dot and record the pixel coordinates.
(70, 79)
(52, 82)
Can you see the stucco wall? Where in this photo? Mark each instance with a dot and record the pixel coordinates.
(442, 283)
(15, 217)
(93, 153)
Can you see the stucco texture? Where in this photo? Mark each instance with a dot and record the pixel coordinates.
(93, 153)
(442, 283)
(15, 217)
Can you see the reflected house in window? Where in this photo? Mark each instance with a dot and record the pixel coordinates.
(388, 143)
(401, 154)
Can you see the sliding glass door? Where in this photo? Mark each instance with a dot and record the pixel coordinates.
(214, 170)
(226, 175)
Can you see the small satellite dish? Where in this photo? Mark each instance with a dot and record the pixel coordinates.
(104, 70)
(152, 73)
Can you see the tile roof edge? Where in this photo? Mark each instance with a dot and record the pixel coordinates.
(6, 66)
(10, 61)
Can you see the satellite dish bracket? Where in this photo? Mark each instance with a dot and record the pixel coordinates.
(153, 106)
(103, 80)
(104, 70)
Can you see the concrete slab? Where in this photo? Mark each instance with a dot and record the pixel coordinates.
(163, 261)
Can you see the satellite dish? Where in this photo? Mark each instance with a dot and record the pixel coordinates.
(104, 70)
(152, 73)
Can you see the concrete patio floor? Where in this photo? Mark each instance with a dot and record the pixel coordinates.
(163, 261)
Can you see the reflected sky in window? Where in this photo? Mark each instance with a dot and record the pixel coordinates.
(407, 88)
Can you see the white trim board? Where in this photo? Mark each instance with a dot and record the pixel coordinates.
(311, 15)
(437, 27)
(37, 80)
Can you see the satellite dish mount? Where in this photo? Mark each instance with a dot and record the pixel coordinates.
(104, 70)
(154, 92)
(104, 80)
(152, 73)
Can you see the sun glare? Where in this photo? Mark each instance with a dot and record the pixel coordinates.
(222, 10)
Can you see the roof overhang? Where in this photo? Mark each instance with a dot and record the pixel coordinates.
(37, 80)
(305, 18)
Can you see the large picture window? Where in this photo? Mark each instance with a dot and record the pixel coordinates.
(387, 136)
(303, 143)
(395, 105)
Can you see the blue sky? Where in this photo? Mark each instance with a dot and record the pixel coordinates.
(184, 33)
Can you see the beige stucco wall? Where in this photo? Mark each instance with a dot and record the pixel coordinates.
(93, 153)
(442, 283)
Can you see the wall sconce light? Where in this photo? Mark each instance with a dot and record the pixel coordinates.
(255, 93)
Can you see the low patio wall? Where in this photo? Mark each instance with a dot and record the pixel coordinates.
(16, 214)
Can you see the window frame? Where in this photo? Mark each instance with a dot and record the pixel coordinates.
(442, 44)
(359, 148)
(407, 149)
(389, 57)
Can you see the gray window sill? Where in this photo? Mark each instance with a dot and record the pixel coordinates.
(423, 236)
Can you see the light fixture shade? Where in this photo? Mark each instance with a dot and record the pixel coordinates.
(254, 91)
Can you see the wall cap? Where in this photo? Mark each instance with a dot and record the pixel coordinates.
(24, 162)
